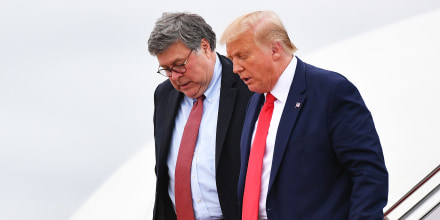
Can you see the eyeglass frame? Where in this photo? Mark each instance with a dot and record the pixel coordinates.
(169, 71)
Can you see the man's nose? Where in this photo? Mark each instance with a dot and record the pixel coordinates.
(175, 76)
(237, 68)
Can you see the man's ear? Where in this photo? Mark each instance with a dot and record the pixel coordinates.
(277, 49)
(205, 46)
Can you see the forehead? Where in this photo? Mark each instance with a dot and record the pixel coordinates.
(174, 53)
(241, 44)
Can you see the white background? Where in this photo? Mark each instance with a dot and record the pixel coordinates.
(76, 84)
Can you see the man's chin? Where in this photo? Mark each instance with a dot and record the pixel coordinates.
(190, 93)
(255, 89)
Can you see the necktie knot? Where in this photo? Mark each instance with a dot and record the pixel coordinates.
(200, 98)
(270, 98)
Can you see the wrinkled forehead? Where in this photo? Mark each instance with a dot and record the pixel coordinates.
(243, 43)
(174, 53)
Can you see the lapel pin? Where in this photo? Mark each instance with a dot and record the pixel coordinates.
(297, 105)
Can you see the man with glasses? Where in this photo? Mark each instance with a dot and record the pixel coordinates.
(205, 185)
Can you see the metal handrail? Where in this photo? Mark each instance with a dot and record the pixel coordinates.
(412, 190)
(431, 211)
(423, 200)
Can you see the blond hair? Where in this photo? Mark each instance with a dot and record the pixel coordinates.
(266, 27)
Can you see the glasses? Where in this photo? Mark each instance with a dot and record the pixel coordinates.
(177, 68)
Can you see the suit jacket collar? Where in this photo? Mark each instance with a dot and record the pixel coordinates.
(294, 104)
(228, 94)
(174, 99)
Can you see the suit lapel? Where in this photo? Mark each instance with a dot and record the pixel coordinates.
(172, 107)
(252, 114)
(226, 107)
(294, 104)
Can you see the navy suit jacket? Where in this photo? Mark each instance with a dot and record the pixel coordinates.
(234, 96)
(328, 161)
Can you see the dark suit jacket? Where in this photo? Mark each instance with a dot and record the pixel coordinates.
(328, 161)
(234, 96)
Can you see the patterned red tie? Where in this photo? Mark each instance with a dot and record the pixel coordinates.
(184, 208)
(253, 176)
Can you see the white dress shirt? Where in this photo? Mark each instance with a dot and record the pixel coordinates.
(203, 182)
(280, 92)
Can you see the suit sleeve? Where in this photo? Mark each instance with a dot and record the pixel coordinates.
(358, 148)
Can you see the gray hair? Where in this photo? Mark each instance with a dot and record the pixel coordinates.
(188, 28)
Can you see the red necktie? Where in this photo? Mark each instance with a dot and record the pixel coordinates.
(184, 207)
(253, 176)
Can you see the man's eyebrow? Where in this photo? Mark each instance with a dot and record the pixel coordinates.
(172, 64)
(234, 53)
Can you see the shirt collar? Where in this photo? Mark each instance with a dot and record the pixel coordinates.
(282, 87)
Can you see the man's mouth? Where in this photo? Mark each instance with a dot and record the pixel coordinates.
(245, 80)
(185, 84)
